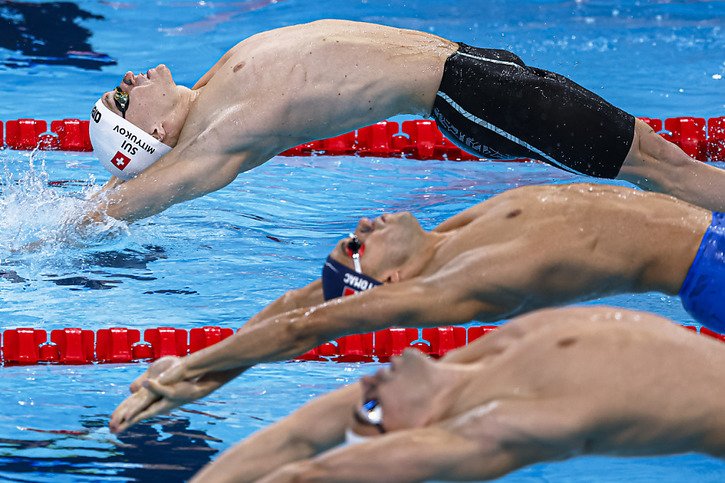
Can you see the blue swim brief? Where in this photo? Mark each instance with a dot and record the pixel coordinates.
(703, 291)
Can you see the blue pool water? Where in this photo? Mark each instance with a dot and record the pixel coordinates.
(220, 259)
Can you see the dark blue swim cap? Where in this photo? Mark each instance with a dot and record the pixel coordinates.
(339, 280)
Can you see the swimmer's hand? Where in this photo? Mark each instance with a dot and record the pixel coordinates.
(162, 388)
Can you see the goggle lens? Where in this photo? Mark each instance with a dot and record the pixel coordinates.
(355, 249)
(120, 98)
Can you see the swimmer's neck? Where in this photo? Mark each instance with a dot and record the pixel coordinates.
(463, 385)
(174, 121)
(424, 252)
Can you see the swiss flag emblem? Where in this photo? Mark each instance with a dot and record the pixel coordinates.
(120, 160)
(348, 291)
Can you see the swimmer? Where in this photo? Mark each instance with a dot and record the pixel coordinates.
(548, 386)
(525, 249)
(167, 143)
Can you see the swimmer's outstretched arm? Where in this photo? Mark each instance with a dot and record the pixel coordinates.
(513, 431)
(315, 427)
(432, 453)
(155, 190)
(307, 296)
(413, 303)
(495, 439)
(181, 175)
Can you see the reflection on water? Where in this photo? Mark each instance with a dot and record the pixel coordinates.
(162, 450)
(48, 33)
(97, 276)
(222, 13)
(104, 279)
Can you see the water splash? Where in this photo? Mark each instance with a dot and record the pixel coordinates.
(40, 217)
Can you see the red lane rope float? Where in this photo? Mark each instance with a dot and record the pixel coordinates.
(72, 346)
(416, 139)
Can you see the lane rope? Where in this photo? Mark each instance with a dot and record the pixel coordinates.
(415, 139)
(73, 346)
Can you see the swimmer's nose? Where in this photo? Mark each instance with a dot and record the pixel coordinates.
(127, 82)
(365, 225)
(161, 70)
(369, 384)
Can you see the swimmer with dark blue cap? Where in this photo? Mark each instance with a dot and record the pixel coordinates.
(519, 251)
(339, 281)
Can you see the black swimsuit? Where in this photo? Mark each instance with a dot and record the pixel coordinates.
(494, 106)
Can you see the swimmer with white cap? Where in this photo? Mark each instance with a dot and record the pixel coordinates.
(124, 149)
(547, 386)
(278, 89)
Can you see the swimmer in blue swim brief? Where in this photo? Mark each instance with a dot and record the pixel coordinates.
(703, 291)
(519, 251)
(164, 143)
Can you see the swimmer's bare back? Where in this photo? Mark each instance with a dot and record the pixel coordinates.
(279, 88)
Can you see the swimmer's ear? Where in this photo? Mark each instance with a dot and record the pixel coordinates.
(394, 277)
(159, 132)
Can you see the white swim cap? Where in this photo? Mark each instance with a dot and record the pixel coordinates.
(124, 149)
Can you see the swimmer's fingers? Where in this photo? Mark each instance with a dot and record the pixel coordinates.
(138, 382)
(163, 391)
(180, 392)
(163, 400)
(129, 408)
(159, 368)
(162, 406)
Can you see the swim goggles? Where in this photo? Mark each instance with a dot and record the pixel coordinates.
(339, 280)
(121, 100)
(370, 414)
(355, 249)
